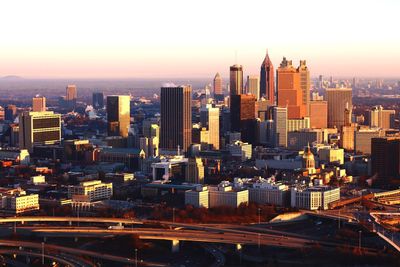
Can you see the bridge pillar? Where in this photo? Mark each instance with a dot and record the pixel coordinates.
(70, 223)
(76, 239)
(120, 224)
(22, 222)
(45, 239)
(238, 247)
(175, 246)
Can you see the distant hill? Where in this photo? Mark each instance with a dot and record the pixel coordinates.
(11, 77)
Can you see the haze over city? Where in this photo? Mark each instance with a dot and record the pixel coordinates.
(183, 39)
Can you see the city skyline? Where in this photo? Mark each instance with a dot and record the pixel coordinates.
(139, 41)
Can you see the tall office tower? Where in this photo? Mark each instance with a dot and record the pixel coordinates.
(318, 114)
(243, 117)
(289, 90)
(118, 115)
(338, 100)
(176, 117)
(354, 85)
(381, 118)
(39, 104)
(98, 100)
(194, 172)
(280, 127)
(217, 87)
(71, 93)
(267, 83)
(39, 128)
(253, 86)
(236, 80)
(320, 82)
(385, 157)
(9, 112)
(209, 118)
(305, 84)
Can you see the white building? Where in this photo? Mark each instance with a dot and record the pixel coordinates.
(198, 197)
(268, 192)
(330, 155)
(314, 198)
(17, 201)
(38, 179)
(224, 195)
(240, 150)
(90, 191)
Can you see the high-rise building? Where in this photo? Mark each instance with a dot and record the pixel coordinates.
(289, 90)
(267, 83)
(9, 112)
(39, 104)
(236, 80)
(176, 117)
(98, 100)
(381, 118)
(253, 85)
(217, 86)
(385, 157)
(39, 128)
(243, 117)
(118, 115)
(280, 127)
(194, 172)
(209, 118)
(305, 84)
(363, 137)
(318, 114)
(71, 93)
(338, 100)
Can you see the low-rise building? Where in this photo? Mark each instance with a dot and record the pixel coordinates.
(90, 191)
(224, 195)
(314, 198)
(198, 197)
(16, 201)
(267, 192)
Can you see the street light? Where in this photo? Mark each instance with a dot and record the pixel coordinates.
(42, 253)
(173, 215)
(359, 240)
(136, 258)
(259, 235)
(259, 215)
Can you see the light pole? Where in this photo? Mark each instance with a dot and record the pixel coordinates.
(259, 215)
(339, 220)
(173, 215)
(42, 253)
(259, 236)
(136, 258)
(359, 240)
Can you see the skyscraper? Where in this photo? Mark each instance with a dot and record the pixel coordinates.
(118, 115)
(176, 117)
(98, 100)
(305, 84)
(267, 83)
(338, 100)
(71, 93)
(9, 112)
(289, 90)
(253, 85)
(39, 128)
(318, 114)
(243, 116)
(236, 80)
(280, 127)
(209, 118)
(39, 104)
(217, 86)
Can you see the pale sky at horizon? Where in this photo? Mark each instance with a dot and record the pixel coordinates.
(178, 38)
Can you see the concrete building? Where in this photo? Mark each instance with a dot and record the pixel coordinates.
(253, 85)
(236, 80)
(381, 118)
(338, 100)
(267, 192)
(318, 114)
(98, 100)
(18, 155)
(385, 157)
(39, 104)
(194, 171)
(176, 118)
(217, 87)
(209, 118)
(16, 201)
(240, 150)
(290, 85)
(224, 195)
(298, 124)
(314, 198)
(331, 155)
(305, 84)
(297, 140)
(168, 168)
(39, 128)
(243, 118)
(118, 115)
(198, 197)
(90, 191)
(363, 137)
(280, 127)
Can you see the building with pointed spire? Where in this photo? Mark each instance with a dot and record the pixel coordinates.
(267, 83)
